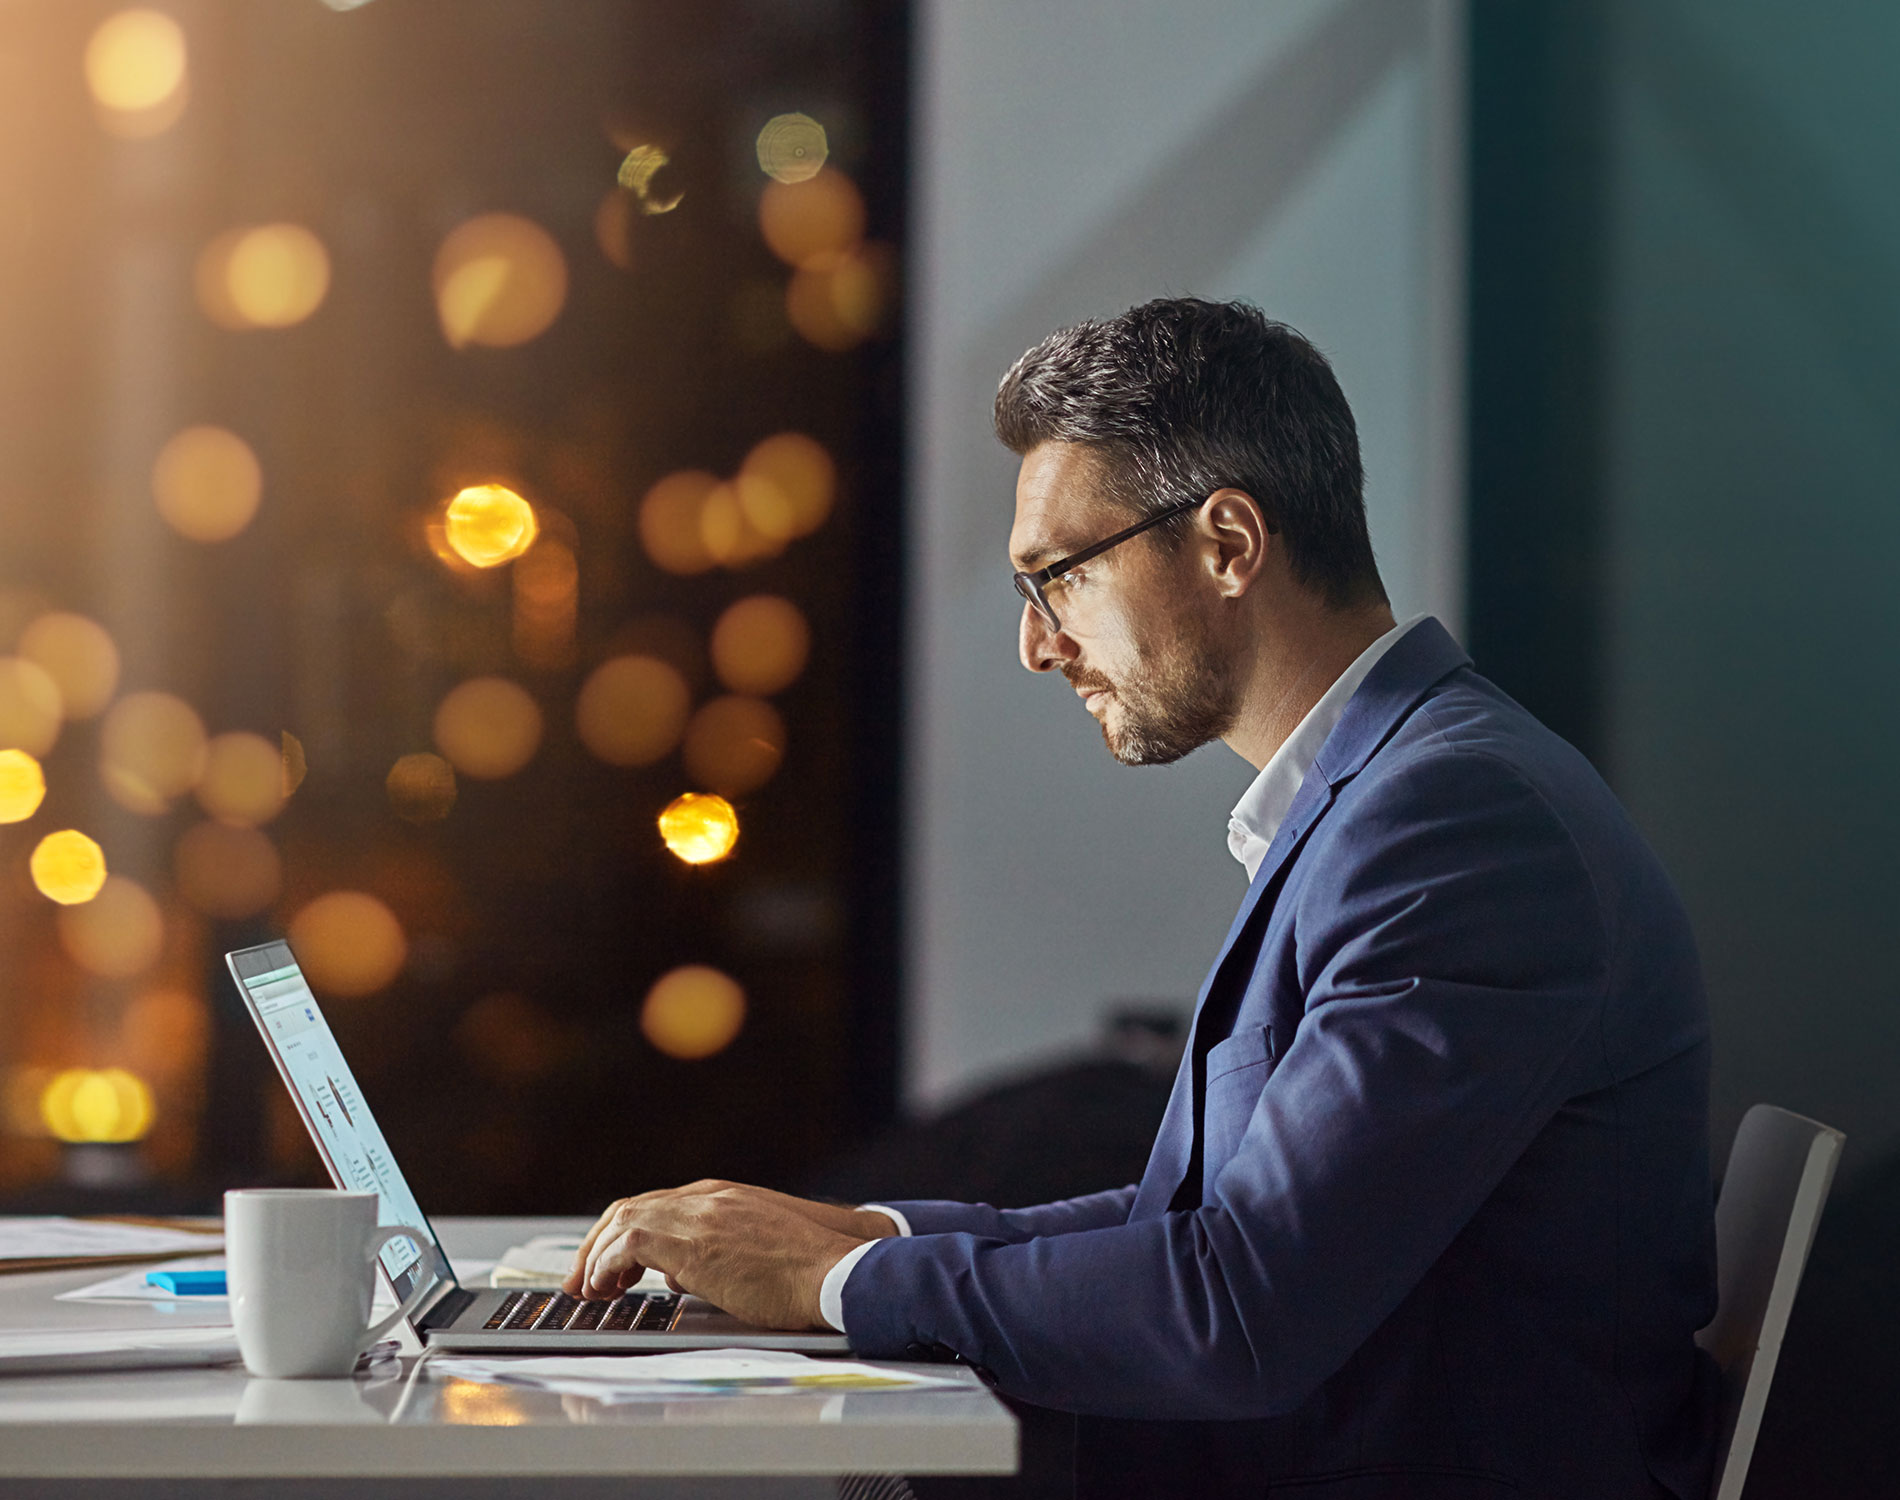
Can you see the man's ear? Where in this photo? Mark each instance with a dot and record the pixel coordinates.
(1236, 539)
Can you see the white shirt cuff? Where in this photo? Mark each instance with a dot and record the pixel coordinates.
(902, 1223)
(831, 1290)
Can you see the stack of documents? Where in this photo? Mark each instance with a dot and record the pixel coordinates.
(614, 1378)
(50, 1244)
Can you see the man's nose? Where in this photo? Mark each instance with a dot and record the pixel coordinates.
(1042, 648)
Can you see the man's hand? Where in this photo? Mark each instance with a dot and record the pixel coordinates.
(760, 1255)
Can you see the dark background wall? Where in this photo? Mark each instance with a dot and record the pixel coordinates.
(1685, 379)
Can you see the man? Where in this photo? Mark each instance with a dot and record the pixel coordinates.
(1430, 1210)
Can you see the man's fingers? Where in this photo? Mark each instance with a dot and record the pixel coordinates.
(577, 1277)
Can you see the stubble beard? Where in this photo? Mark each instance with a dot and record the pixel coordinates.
(1173, 702)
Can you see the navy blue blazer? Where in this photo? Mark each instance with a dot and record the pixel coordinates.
(1430, 1211)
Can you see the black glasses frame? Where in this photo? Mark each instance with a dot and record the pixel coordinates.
(1031, 585)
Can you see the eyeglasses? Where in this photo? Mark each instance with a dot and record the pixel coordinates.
(1032, 586)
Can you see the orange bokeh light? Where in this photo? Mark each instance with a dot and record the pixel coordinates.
(136, 69)
(488, 727)
(152, 750)
(80, 657)
(814, 222)
(262, 276)
(68, 867)
(839, 304)
(670, 522)
(500, 280)
(632, 710)
(421, 788)
(787, 484)
(734, 745)
(226, 871)
(117, 934)
(207, 484)
(489, 524)
(103, 1104)
(30, 706)
(693, 1012)
(348, 943)
(243, 781)
(699, 827)
(760, 644)
(22, 786)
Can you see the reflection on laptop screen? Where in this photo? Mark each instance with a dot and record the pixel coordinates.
(347, 1135)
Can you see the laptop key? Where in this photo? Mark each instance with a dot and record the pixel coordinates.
(556, 1314)
(533, 1304)
(621, 1314)
(507, 1306)
(587, 1317)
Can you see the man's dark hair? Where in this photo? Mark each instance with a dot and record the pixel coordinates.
(1178, 398)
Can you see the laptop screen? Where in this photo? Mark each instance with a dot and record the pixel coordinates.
(345, 1132)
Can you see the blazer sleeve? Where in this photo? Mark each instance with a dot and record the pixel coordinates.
(1452, 956)
(1014, 1225)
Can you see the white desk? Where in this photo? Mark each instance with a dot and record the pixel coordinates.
(383, 1433)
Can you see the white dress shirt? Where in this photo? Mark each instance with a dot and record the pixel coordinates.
(1256, 818)
(1263, 808)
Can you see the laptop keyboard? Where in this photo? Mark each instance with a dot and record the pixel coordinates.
(556, 1312)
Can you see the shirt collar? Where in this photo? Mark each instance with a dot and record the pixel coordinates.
(1263, 807)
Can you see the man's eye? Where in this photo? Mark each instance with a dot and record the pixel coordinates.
(1072, 579)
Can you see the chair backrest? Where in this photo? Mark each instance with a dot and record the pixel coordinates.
(1779, 1171)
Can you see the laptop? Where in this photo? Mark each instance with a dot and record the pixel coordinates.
(449, 1315)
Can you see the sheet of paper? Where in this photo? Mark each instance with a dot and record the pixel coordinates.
(710, 1372)
(52, 1238)
(42, 1350)
(131, 1286)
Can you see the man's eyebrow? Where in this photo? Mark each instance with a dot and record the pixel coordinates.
(1041, 555)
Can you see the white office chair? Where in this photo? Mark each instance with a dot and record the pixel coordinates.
(1779, 1171)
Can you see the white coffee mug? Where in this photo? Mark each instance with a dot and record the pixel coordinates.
(300, 1263)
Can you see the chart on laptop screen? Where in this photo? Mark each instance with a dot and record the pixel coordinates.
(323, 1083)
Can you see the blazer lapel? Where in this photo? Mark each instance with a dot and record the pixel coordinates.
(1414, 664)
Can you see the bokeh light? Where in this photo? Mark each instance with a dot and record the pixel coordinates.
(348, 943)
(243, 780)
(227, 872)
(207, 483)
(838, 305)
(489, 524)
(699, 827)
(68, 867)
(296, 767)
(135, 66)
(632, 710)
(22, 786)
(613, 228)
(80, 657)
(97, 1104)
(165, 1031)
(547, 604)
(30, 706)
(728, 533)
(500, 280)
(421, 788)
(693, 1012)
(262, 276)
(670, 527)
(734, 745)
(117, 934)
(792, 148)
(488, 727)
(812, 223)
(151, 750)
(636, 174)
(760, 644)
(787, 484)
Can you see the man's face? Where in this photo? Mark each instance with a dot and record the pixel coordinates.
(1139, 638)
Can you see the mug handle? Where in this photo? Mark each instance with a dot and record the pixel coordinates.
(375, 1331)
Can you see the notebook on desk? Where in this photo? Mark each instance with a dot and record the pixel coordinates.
(451, 1316)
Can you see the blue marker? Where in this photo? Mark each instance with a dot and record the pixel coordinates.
(189, 1283)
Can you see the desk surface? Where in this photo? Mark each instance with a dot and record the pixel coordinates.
(395, 1421)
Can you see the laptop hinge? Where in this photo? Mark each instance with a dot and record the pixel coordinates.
(446, 1308)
